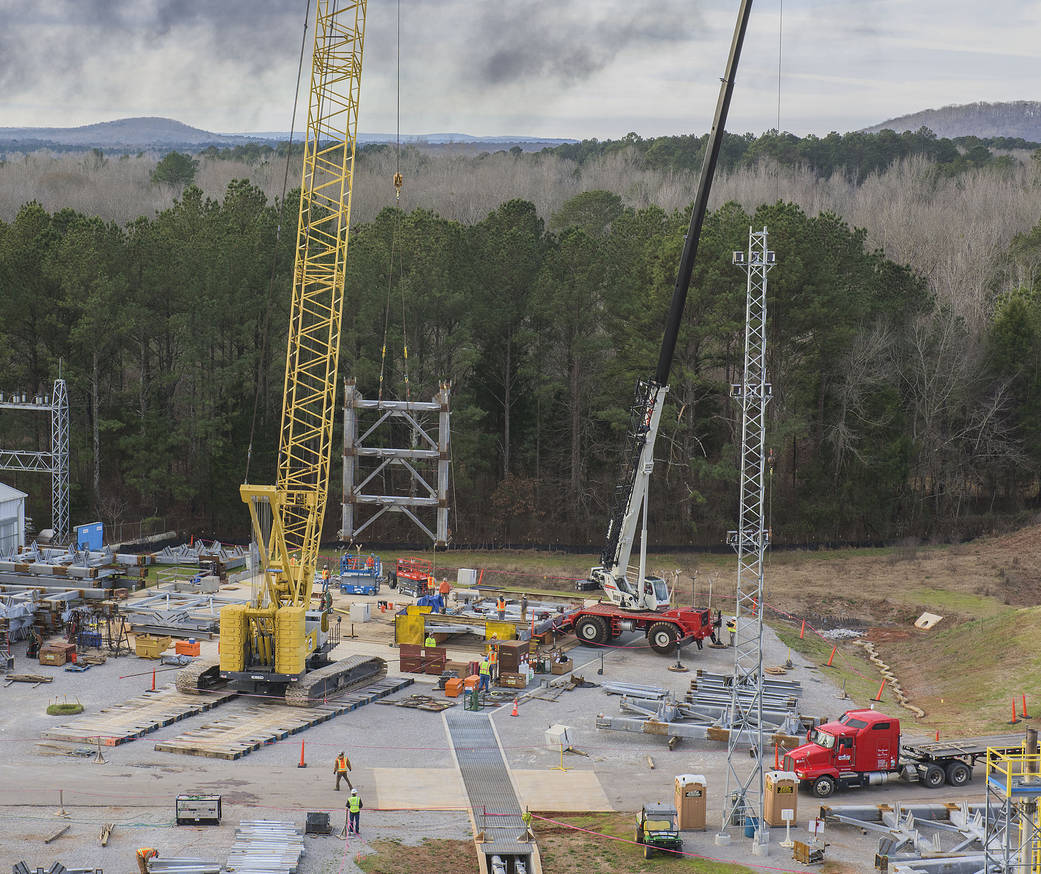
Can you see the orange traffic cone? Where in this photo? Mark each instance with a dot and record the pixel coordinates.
(514, 711)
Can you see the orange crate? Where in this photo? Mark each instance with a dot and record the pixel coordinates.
(471, 682)
(183, 647)
(453, 687)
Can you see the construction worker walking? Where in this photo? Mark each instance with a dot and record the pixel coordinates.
(732, 628)
(143, 855)
(340, 769)
(354, 806)
(443, 591)
(500, 607)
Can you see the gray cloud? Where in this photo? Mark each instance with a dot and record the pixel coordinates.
(507, 42)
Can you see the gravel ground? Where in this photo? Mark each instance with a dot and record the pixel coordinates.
(136, 787)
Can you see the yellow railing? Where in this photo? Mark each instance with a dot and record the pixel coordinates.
(1012, 773)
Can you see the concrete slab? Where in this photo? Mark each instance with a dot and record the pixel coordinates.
(563, 791)
(419, 789)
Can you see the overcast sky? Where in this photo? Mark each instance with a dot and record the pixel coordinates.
(555, 68)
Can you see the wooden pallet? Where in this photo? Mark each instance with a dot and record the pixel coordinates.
(237, 733)
(136, 717)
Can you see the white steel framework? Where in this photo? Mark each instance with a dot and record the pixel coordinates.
(420, 458)
(744, 786)
(55, 462)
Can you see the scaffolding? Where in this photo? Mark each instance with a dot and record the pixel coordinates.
(743, 798)
(55, 462)
(1013, 821)
(427, 453)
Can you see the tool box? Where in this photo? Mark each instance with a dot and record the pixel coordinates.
(513, 680)
(149, 646)
(198, 809)
(453, 687)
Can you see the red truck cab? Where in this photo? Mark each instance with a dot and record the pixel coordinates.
(862, 748)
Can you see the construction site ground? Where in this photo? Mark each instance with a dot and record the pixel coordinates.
(401, 757)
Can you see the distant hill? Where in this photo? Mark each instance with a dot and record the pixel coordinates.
(124, 133)
(165, 134)
(1019, 118)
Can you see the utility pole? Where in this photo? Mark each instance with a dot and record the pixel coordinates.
(744, 787)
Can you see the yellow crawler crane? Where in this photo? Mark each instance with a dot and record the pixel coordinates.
(276, 642)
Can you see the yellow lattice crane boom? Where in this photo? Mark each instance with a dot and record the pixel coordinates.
(275, 641)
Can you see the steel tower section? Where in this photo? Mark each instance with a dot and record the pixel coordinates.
(55, 462)
(60, 462)
(744, 787)
(431, 455)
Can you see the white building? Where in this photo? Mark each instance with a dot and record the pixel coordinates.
(12, 519)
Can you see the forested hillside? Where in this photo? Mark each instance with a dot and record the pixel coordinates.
(905, 355)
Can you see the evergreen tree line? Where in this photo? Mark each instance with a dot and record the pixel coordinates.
(856, 154)
(890, 414)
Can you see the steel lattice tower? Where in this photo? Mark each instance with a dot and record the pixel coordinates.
(744, 786)
(60, 462)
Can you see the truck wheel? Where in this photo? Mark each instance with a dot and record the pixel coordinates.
(823, 786)
(647, 851)
(958, 773)
(662, 637)
(592, 629)
(933, 776)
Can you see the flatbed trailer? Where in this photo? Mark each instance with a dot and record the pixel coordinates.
(599, 624)
(865, 748)
(945, 753)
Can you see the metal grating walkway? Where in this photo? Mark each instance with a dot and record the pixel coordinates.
(495, 808)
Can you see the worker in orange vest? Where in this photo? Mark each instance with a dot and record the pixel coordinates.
(493, 656)
(143, 855)
(500, 606)
(340, 769)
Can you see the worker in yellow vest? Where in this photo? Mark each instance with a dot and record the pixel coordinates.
(143, 855)
(354, 806)
(340, 769)
(485, 674)
(430, 641)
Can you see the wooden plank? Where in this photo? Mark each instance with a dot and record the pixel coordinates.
(237, 733)
(57, 834)
(136, 717)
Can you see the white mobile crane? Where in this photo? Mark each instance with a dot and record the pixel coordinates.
(639, 601)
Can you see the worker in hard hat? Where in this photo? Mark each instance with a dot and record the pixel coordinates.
(732, 628)
(143, 855)
(354, 806)
(493, 655)
(431, 640)
(443, 591)
(340, 769)
(500, 608)
(485, 674)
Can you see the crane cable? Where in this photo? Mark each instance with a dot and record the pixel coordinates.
(266, 324)
(395, 231)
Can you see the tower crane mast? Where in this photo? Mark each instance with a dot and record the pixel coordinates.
(276, 642)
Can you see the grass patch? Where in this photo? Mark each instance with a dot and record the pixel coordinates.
(965, 676)
(849, 665)
(394, 857)
(65, 709)
(945, 601)
(568, 851)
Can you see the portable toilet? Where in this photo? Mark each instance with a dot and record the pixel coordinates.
(780, 793)
(691, 802)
